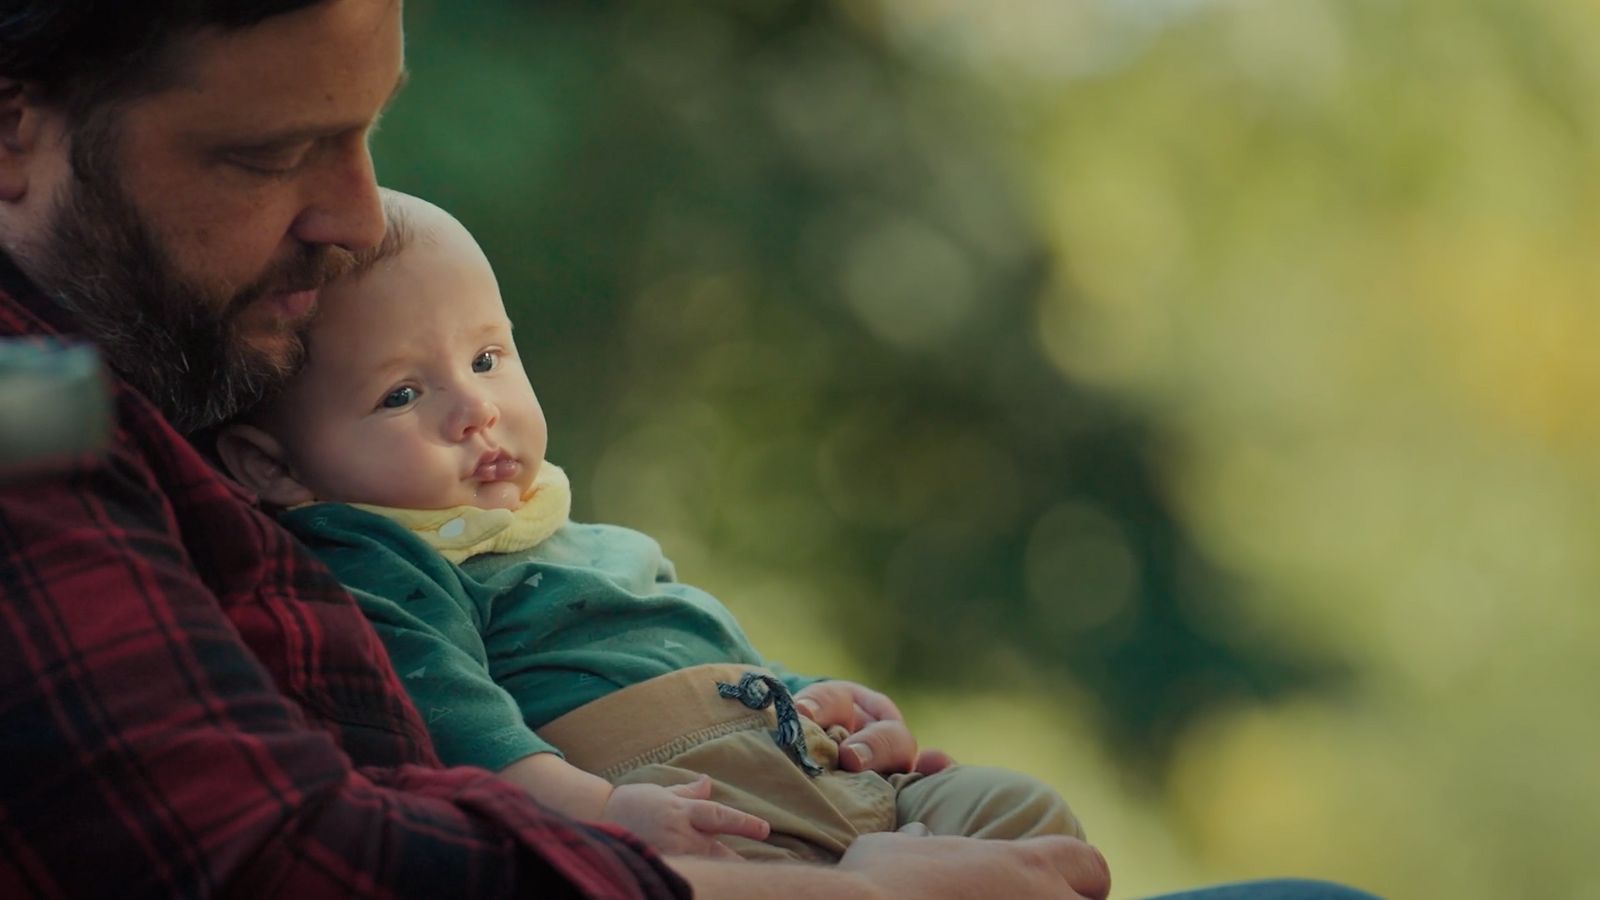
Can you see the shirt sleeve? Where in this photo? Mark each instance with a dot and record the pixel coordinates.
(145, 749)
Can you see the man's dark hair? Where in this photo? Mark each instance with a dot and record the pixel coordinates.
(82, 55)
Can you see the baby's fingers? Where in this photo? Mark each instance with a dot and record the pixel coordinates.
(710, 817)
(698, 789)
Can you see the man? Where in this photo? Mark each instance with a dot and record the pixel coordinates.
(188, 703)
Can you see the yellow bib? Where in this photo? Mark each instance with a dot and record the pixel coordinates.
(464, 531)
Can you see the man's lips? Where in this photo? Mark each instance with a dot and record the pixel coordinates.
(496, 465)
(295, 305)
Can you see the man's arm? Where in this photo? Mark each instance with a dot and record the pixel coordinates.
(896, 865)
(143, 745)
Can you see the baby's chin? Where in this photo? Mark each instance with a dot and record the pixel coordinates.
(498, 495)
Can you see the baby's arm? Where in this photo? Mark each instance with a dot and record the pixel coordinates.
(429, 623)
(678, 819)
(560, 785)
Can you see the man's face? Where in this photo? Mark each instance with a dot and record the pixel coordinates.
(413, 394)
(198, 222)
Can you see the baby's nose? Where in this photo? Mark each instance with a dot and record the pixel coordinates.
(475, 413)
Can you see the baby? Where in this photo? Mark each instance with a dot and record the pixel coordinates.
(409, 454)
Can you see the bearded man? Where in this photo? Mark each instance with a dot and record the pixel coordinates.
(189, 703)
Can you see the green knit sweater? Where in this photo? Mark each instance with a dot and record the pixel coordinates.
(503, 643)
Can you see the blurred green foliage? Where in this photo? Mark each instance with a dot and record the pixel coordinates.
(778, 275)
(1184, 400)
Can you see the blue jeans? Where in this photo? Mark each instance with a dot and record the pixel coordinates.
(1276, 889)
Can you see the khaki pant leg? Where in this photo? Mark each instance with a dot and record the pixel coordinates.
(981, 802)
(813, 819)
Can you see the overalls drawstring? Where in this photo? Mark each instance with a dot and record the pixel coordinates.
(759, 691)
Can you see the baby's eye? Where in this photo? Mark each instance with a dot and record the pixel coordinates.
(399, 397)
(486, 361)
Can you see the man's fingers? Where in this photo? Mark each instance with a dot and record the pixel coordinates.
(845, 703)
(875, 737)
(720, 851)
(1083, 866)
(708, 817)
(915, 829)
(876, 706)
(827, 703)
(932, 762)
(957, 866)
(885, 747)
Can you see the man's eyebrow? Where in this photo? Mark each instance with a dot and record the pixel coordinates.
(312, 132)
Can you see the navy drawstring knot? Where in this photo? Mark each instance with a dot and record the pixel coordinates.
(758, 691)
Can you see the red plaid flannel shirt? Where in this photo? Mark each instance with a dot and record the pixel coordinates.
(191, 704)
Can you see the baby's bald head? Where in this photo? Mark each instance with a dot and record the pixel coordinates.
(411, 382)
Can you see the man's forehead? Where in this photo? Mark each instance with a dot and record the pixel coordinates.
(300, 127)
(330, 67)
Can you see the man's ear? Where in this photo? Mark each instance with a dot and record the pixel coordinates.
(21, 128)
(256, 459)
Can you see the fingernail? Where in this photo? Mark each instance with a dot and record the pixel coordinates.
(810, 707)
(863, 752)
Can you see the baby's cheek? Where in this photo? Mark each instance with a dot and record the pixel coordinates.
(405, 475)
(376, 470)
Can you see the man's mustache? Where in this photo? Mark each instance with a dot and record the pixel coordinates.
(309, 269)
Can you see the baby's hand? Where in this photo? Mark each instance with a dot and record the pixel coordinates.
(681, 819)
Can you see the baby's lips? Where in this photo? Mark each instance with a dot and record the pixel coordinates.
(500, 469)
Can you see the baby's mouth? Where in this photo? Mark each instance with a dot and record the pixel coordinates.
(496, 466)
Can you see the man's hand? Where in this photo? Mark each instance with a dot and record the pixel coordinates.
(955, 867)
(681, 819)
(885, 865)
(878, 738)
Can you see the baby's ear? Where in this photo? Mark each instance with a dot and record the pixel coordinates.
(256, 459)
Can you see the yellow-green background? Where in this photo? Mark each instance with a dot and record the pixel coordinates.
(1185, 401)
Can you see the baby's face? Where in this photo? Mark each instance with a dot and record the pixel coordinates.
(412, 394)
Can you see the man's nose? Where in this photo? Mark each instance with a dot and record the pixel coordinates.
(343, 208)
(473, 413)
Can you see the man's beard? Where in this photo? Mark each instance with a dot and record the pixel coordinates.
(178, 343)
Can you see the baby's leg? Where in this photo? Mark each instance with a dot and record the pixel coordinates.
(812, 819)
(669, 729)
(982, 802)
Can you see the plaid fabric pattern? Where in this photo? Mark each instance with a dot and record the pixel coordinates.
(190, 704)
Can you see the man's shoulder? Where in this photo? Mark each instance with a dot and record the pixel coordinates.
(144, 481)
